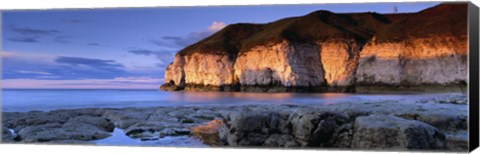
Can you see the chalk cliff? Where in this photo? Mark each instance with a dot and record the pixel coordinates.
(325, 51)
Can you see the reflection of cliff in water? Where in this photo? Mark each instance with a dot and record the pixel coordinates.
(248, 98)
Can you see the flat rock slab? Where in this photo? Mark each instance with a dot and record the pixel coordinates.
(56, 131)
(404, 125)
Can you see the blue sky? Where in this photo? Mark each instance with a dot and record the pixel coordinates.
(126, 47)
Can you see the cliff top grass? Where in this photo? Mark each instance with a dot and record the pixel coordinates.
(319, 26)
(443, 19)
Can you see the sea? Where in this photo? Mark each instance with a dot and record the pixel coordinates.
(53, 99)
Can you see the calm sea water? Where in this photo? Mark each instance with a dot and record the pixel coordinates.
(45, 100)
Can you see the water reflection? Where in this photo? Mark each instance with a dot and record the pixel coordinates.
(119, 138)
(252, 98)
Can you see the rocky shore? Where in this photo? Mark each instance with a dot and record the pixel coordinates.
(433, 124)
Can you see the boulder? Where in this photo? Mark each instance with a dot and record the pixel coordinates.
(252, 127)
(381, 131)
(314, 128)
(342, 138)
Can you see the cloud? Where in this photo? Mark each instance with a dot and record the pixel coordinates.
(142, 52)
(172, 37)
(196, 36)
(25, 68)
(62, 39)
(93, 44)
(34, 72)
(35, 66)
(164, 57)
(34, 32)
(216, 26)
(115, 83)
(21, 65)
(32, 35)
(165, 43)
(74, 21)
(24, 39)
(138, 80)
(109, 65)
(6, 54)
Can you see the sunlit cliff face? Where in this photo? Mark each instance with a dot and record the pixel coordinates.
(284, 64)
(418, 61)
(339, 59)
(439, 58)
(434, 60)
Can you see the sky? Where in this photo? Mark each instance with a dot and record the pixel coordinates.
(126, 48)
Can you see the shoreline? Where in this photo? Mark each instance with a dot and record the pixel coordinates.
(337, 125)
(359, 88)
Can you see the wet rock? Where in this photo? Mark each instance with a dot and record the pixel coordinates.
(19, 120)
(209, 132)
(205, 114)
(448, 117)
(7, 135)
(457, 141)
(445, 122)
(174, 131)
(70, 142)
(89, 111)
(181, 113)
(145, 129)
(170, 86)
(281, 140)
(96, 121)
(399, 124)
(448, 99)
(342, 138)
(379, 131)
(83, 131)
(251, 127)
(57, 131)
(124, 118)
(313, 128)
(186, 120)
(34, 118)
(152, 130)
(43, 132)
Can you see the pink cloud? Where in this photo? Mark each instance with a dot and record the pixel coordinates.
(117, 83)
(216, 26)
